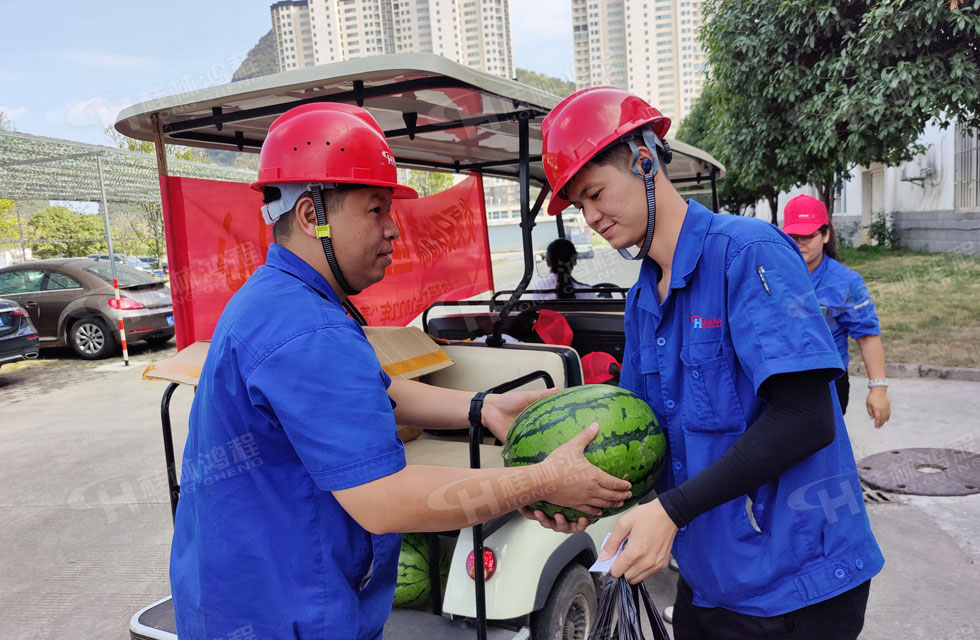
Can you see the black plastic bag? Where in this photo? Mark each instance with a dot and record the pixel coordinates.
(622, 608)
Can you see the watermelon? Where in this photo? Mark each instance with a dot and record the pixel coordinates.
(629, 444)
(413, 586)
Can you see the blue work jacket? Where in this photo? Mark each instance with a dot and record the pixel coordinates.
(740, 309)
(291, 405)
(845, 303)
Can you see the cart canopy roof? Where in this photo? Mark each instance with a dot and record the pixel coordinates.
(436, 114)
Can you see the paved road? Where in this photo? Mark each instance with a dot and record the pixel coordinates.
(606, 266)
(86, 518)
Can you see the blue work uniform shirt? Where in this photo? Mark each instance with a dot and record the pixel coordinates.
(740, 309)
(291, 405)
(845, 303)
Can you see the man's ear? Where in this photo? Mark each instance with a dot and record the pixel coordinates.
(305, 214)
(644, 155)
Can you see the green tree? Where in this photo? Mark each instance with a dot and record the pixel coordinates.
(8, 223)
(699, 128)
(808, 90)
(174, 152)
(60, 232)
(557, 86)
(428, 183)
(5, 123)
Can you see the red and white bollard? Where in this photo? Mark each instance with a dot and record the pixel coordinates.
(122, 329)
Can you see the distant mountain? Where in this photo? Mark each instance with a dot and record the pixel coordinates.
(557, 86)
(261, 60)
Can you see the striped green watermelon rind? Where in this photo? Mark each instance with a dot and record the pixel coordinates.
(629, 444)
(413, 586)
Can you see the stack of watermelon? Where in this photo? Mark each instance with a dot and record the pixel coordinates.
(629, 444)
(414, 586)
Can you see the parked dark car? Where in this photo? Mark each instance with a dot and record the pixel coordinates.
(18, 337)
(71, 302)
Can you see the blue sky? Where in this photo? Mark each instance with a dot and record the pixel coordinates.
(80, 63)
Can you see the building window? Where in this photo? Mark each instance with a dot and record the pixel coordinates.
(966, 171)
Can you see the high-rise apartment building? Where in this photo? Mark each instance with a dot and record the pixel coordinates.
(475, 33)
(648, 47)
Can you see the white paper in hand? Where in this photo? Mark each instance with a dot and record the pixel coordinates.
(603, 566)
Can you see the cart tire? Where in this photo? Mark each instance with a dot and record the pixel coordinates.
(91, 340)
(569, 612)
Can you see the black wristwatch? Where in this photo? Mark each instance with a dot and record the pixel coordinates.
(476, 409)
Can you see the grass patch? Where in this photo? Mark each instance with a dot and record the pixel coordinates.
(928, 304)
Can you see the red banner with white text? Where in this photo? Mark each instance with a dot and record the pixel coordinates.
(216, 238)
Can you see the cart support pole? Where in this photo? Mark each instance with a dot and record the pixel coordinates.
(112, 261)
(714, 189)
(168, 449)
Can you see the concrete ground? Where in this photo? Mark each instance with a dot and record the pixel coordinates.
(86, 518)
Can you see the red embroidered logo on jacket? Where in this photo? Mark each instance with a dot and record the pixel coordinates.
(698, 322)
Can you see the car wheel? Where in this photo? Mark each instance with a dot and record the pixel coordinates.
(569, 612)
(158, 340)
(90, 339)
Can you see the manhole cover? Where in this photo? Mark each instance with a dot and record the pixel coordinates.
(923, 472)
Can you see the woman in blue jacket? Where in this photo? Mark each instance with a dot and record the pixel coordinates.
(843, 299)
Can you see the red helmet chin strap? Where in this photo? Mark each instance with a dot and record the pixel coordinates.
(648, 170)
(323, 232)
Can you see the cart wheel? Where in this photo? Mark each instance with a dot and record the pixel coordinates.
(90, 339)
(570, 609)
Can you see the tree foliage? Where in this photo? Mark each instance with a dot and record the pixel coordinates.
(174, 152)
(60, 232)
(700, 129)
(8, 222)
(5, 123)
(808, 90)
(557, 86)
(428, 183)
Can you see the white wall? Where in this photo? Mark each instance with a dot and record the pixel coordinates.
(888, 189)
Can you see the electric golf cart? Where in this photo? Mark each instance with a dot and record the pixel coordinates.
(437, 116)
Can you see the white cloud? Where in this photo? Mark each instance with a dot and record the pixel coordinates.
(100, 111)
(105, 60)
(13, 113)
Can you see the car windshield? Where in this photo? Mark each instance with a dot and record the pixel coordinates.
(128, 276)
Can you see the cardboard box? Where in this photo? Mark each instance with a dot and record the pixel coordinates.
(404, 352)
(183, 368)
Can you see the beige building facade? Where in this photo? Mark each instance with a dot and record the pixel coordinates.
(475, 33)
(648, 47)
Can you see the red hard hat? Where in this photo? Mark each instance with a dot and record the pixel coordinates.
(328, 142)
(585, 123)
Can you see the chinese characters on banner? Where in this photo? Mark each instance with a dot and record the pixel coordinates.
(216, 238)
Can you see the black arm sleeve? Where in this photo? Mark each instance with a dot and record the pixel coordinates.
(798, 422)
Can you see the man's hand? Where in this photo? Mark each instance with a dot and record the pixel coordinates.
(651, 534)
(559, 524)
(579, 484)
(878, 406)
(501, 409)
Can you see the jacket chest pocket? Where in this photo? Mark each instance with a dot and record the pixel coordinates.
(709, 402)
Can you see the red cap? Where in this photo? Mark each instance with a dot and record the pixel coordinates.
(803, 215)
(597, 367)
(553, 328)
